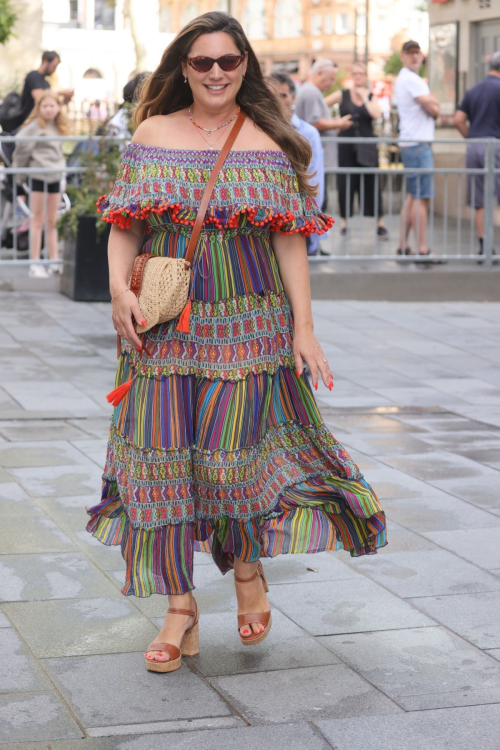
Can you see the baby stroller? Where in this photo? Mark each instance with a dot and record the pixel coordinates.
(15, 213)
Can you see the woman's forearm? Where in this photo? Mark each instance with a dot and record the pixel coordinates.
(291, 254)
(123, 248)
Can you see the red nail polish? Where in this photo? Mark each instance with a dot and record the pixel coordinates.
(316, 386)
(330, 386)
(298, 373)
(143, 323)
(138, 348)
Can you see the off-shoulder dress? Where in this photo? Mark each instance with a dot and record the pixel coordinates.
(218, 445)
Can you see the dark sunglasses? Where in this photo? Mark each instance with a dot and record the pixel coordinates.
(226, 62)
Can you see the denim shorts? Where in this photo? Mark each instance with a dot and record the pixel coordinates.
(475, 182)
(420, 157)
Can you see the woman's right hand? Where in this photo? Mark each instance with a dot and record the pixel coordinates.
(125, 308)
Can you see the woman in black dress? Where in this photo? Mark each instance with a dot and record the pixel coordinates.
(364, 109)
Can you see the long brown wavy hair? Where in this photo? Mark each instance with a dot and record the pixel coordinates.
(165, 92)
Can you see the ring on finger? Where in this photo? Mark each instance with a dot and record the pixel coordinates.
(324, 361)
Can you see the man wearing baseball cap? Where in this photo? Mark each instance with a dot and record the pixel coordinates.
(417, 109)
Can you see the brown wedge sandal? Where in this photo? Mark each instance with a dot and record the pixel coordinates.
(264, 618)
(189, 645)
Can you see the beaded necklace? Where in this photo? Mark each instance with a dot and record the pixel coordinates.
(209, 131)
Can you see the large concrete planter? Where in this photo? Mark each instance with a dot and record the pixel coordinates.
(85, 277)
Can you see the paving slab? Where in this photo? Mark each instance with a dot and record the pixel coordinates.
(450, 729)
(19, 672)
(426, 573)
(280, 737)
(286, 647)
(69, 513)
(440, 512)
(24, 718)
(349, 606)
(35, 454)
(106, 557)
(473, 616)
(67, 575)
(97, 427)
(71, 627)
(421, 668)
(93, 448)
(35, 532)
(51, 481)
(51, 395)
(399, 538)
(441, 467)
(322, 566)
(90, 685)
(479, 546)
(4, 622)
(13, 499)
(40, 430)
(334, 691)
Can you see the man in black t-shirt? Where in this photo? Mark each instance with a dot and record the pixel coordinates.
(35, 83)
(481, 108)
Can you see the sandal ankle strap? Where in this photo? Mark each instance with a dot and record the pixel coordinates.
(189, 612)
(247, 580)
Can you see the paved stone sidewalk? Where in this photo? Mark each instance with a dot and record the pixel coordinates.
(396, 651)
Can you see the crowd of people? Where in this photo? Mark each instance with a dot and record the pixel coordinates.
(308, 107)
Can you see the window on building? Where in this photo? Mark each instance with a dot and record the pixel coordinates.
(342, 23)
(190, 11)
(316, 24)
(73, 10)
(104, 15)
(361, 24)
(288, 18)
(254, 19)
(164, 19)
(328, 25)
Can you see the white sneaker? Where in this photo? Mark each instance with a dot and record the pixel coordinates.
(38, 272)
(55, 269)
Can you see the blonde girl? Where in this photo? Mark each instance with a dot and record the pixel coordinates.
(45, 120)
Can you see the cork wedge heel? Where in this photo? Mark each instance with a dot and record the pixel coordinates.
(189, 644)
(264, 618)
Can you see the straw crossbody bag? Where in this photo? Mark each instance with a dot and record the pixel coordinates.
(162, 284)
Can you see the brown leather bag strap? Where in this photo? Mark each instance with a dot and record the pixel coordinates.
(200, 216)
(138, 271)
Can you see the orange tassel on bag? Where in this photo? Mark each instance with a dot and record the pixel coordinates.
(114, 397)
(183, 324)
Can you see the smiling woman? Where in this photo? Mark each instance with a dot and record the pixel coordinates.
(217, 443)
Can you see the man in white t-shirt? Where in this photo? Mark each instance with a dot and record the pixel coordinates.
(417, 109)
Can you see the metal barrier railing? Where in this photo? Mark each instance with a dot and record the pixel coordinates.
(19, 231)
(451, 222)
(451, 230)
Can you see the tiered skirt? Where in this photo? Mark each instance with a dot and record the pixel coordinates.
(219, 446)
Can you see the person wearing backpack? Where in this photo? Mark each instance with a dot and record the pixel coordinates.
(15, 109)
(46, 120)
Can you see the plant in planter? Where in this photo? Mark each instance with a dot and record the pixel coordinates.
(85, 274)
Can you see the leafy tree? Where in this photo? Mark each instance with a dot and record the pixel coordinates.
(393, 65)
(8, 18)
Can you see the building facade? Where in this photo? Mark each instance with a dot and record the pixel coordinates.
(102, 43)
(475, 27)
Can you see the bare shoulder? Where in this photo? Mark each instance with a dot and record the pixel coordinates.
(254, 138)
(160, 130)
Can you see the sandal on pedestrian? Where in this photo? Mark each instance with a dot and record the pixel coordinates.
(189, 644)
(264, 618)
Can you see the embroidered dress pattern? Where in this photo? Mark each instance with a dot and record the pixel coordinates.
(218, 445)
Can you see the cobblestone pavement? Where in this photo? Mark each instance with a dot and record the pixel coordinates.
(395, 651)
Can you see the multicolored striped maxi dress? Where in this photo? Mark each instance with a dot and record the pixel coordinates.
(218, 445)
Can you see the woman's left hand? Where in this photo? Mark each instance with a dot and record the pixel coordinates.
(307, 349)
